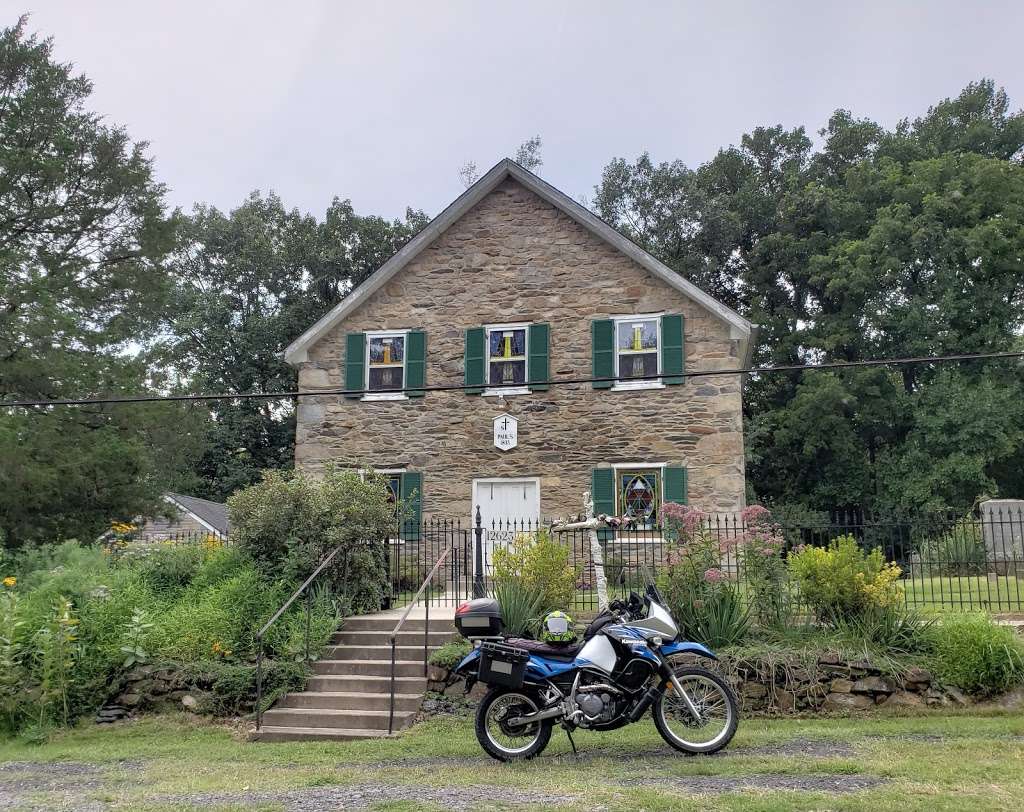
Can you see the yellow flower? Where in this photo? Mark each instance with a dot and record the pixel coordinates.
(10, 581)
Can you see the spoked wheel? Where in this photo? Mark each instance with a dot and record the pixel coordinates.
(507, 742)
(715, 705)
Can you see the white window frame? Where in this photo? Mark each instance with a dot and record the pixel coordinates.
(647, 536)
(624, 384)
(370, 334)
(507, 390)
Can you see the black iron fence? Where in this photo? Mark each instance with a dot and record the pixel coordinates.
(947, 560)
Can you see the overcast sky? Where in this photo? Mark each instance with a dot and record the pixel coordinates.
(382, 102)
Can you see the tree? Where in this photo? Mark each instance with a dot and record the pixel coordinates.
(247, 284)
(83, 237)
(528, 154)
(879, 244)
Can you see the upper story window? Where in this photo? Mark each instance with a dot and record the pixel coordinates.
(385, 364)
(637, 351)
(507, 348)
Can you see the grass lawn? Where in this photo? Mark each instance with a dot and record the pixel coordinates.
(949, 762)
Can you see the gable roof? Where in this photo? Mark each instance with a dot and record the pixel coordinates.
(211, 515)
(298, 350)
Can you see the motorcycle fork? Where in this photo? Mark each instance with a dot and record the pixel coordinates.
(669, 679)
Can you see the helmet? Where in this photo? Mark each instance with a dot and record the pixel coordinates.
(557, 627)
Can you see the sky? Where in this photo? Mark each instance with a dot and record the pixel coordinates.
(383, 102)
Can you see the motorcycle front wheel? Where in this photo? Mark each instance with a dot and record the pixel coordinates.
(715, 702)
(507, 742)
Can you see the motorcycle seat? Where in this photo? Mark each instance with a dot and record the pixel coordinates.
(566, 652)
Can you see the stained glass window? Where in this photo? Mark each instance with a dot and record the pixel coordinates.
(386, 367)
(506, 356)
(636, 346)
(640, 497)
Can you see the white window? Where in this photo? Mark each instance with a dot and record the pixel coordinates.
(507, 348)
(385, 366)
(638, 352)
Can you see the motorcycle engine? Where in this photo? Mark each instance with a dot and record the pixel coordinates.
(596, 703)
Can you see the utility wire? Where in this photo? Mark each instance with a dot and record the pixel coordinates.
(702, 373)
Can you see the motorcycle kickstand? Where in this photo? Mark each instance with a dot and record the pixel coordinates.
(568, 732)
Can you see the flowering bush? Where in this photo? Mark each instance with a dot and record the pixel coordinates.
(760, 546)
(842, 581)
(702, 599)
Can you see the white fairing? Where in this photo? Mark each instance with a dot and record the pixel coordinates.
(657, 623)
(598, 652)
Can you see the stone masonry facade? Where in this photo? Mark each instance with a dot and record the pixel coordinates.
(514, 257)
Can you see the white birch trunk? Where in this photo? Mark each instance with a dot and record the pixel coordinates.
(596, 553)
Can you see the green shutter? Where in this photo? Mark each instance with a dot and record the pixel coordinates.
(673, 351)
(475, 360)
(412, 504)
(602, 491)
(415, 362)
(355, 364)
(602, 333)
(675, 485)
(537, 363)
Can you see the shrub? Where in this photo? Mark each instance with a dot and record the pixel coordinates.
(976, 655)
(842, 580)
(521, 607)
(170, 567)
(703, 602)
(541, 565)
(960, 550)
(450, 654)
(289, 521)
(760, 550)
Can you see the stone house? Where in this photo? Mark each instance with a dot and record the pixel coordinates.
(453, 357)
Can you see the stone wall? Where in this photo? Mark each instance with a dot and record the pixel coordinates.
(516, 258)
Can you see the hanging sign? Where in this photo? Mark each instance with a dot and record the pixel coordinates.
(506, 432)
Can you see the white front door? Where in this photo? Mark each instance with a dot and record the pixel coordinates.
(507, 506)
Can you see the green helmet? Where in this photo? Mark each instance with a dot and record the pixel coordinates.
(557, 628)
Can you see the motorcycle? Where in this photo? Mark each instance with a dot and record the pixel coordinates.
(626, 664)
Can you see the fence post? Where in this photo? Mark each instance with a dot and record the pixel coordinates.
(478, 559)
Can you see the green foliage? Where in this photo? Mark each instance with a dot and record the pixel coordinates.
(540, 564)
(136, 631)
(959, 550)
(451, 653)
(521, 607)
(976, 655)
(842, 581)
(12, 672)
(893, 630)
(290, 521)
(83, 240)
(55, 650)
(169, 568)
(703, 602)
(764, 570)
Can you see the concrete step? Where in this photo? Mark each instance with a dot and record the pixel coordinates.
(371, 668)
(376, 623)
(353, 683)
(331, 718)
(284, 733)
(378, 638)
(350, 700)
(382, 653)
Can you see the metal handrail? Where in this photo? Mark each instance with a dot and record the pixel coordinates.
(273, 620)
(426, 633)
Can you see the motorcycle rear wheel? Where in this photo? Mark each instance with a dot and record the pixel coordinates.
(501, 741)
(713, 698)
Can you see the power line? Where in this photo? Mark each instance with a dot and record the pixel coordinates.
(703, 373)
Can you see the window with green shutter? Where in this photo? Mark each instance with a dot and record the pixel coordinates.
(675, 484)
(602, 491)
(474, 360)
(355, 364)
(538, 344)
(411, 494)
(602, 335)
(415, 363)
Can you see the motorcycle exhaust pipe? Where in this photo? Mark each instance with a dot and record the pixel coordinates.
(645, 702)
(548, 713)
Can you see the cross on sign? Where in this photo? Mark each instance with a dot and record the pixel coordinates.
(506, 432)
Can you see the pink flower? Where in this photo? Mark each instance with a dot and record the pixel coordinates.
(755, 514)
(714, 575)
